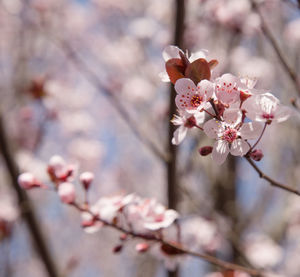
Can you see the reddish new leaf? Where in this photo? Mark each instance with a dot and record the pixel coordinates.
(175, 69)
(212, 64)
(198, 70)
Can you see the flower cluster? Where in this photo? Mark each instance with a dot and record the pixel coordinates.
(157, 229)
(228, 109)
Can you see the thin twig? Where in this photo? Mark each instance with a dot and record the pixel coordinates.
(270, 180)
(270, 37)
(258, 140)
(175, 246)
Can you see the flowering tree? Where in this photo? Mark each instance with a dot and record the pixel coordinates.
(98, 102)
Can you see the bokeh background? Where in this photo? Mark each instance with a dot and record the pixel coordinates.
(80, 78)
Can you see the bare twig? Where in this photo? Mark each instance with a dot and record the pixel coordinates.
(270, 180)
(270, 37)
(175, 246)
(26, 206)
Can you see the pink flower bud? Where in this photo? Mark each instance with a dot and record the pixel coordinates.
(142, 247)
(86, 178)
(28, 181)
(256, 155)
(66, 192)
(205, 150)
(123, 237)
(56, 162)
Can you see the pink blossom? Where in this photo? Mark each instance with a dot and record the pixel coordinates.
(266, 108)
(193, 98)
(149, 214)
(262, 251)
(86, 178)
(185, 121)
(227, 89)
(89, 223)
(66, 192)
(28, 181)
(59, 170)
(107, 208)
(231, 135)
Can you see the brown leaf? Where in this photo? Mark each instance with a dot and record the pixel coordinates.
(175, 69)
(212, 64)
(198, 70)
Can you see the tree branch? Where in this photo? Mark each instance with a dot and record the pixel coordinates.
(175, 246)
(270, 180)
(270, 37)
(26, 206)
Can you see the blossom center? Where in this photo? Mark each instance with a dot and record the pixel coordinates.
(268, 116)
(230, 135)
(190, 122)
(196, 100)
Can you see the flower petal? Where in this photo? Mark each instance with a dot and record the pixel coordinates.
(201, 54)
(251, 130)
(171, 52)
(179, 135)
(206, 88)
(282, 113)
(239, 147)
(220, 151)
(212, 128)
(185, 85)
(232, 116)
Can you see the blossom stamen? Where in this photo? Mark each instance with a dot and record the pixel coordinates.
(196, 101)
(230, 135)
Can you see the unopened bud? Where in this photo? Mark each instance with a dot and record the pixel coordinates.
(66, 192)
(86, 178)
(142, 247)
(28, 181)
(256, 155)
(123, 237)
(205, 150)
(118, 248)
(56, 162)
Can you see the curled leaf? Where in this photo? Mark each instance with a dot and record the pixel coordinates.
(198, 70)
(175, 69)
(212, 64)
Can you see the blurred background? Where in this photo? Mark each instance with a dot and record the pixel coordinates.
(80, 78)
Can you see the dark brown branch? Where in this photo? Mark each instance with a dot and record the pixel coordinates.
(270, 37)
(26, 206)
(270, 180)
(172, 189)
